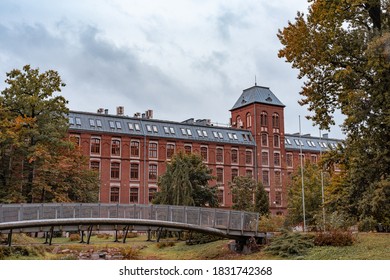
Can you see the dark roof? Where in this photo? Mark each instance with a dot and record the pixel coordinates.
(257, 94)
(198, 131)
(310, 143)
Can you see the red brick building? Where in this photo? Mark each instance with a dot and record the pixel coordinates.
(131, 152)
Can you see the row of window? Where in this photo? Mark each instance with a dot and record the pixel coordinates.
(134, 196)
(154, 129)
(289, 159)
(263, 120)
(264, 140)
(170, 150)
(115, 171)
(310, 143)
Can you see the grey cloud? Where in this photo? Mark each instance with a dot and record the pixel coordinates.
(227, 20)
(94, 69)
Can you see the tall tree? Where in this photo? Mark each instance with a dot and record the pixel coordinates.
(186, 182)
(35, 151)
(341, 48)
(313, 195)
(249, 195)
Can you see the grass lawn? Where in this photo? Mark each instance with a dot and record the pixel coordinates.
(368, 246)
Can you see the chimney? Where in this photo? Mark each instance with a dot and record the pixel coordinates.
(106, 111)
(325, 135)
(149, 114)
(100, 111)
(120, 110)
(137, 115)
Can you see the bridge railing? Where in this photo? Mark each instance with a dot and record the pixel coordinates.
(204, 217)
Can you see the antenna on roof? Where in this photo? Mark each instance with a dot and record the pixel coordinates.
(255, 81)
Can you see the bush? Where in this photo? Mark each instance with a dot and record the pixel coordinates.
(130, 253)
(165, 244)
(74, 237)
(367, 224)
(290, 245)
(271, 223)
(334, 238)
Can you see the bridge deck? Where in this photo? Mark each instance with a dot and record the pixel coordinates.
(73, 216)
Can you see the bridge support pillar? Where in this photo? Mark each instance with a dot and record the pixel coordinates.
(10, 238)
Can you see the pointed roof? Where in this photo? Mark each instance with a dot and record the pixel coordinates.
(257, 94)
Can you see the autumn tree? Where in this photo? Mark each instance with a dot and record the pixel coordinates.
(312, 194)
(38, 161)
(249, 195)
(341, 49)
(186, 182)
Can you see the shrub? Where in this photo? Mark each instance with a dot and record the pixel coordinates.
(271, 223)
(74, 237)
(290, 245)
(165, 244)
(367, 224)
(334, 238)
(130, 253)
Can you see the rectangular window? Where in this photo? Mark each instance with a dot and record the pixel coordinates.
(137, 127)
(234, 156)
(152, 193)
(220, 197)
(115, 170)
(289, 160)
(278, 198)
(111, 124)
(114, 194)
(264, 158)
(95, 166)
(95, 145)
(155, 130)
(204, 153)
(149, 128)
(220, 175)
(170, 150)
(189, 132)
(188, 149)
(98, 123)
(219, 155)
(234, 173)
(115, 147)
(134, 171)
(166, 129)
(131, 126)
(314, 159)
(92, 122)
(172, 130)
(152, 171)
(249, 173)
(133, 195)
(264, 139)
(265, 178)
(276, 141)
(183, 131)
(78, 121)
(118, 125)
(277, 159)
(152, 150)
(134, 149)
(248, 157)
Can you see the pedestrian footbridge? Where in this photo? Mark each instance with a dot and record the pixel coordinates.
(57, 217)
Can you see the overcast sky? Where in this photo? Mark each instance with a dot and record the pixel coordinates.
(181, 58)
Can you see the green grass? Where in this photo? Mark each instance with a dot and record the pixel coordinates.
(368, 246)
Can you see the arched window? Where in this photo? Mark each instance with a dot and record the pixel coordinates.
(238, 122)
(275, 120)
(263, 119)
(248, 120)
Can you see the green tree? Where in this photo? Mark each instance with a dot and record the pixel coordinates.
(249, 195)
(185, 182)
(313, 195)
(35, 151)
(341, 49)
